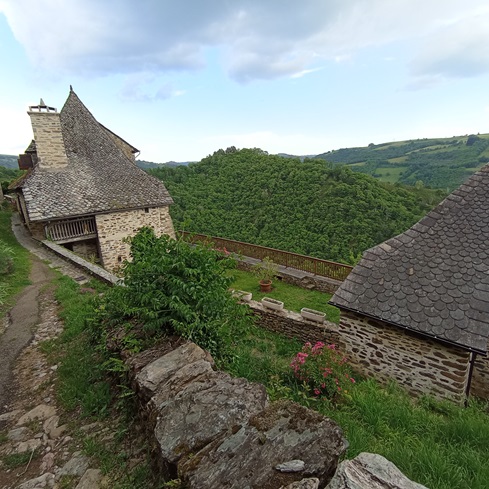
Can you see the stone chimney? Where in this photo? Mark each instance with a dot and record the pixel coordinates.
(46, 126)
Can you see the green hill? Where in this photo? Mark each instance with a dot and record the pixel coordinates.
(311, 207)
(439, 163)
(9, 161)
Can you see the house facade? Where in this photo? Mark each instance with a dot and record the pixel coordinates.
(82, 188)
(416, 307)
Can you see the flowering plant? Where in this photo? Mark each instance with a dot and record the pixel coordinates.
(323, 370)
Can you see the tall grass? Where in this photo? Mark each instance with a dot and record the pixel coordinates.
(16, 275)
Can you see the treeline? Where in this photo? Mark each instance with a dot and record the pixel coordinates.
(312, 207)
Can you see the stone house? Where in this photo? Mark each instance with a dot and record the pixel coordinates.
(83, 189)
(416, 307)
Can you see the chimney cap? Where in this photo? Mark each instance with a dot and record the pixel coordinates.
(42, 107)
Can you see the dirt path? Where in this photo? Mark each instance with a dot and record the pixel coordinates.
(20, 322)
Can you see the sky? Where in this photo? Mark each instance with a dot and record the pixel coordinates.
(180, 79)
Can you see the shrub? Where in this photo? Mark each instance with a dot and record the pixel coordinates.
(173, 287)
(323, 371)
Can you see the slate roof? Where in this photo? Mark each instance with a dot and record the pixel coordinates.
(434, 278)
(99, 177)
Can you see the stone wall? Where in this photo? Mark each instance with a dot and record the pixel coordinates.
(113, 228)
(419, 364)
(292, 325)
(480, 378)
(49, 139)
(87, 249)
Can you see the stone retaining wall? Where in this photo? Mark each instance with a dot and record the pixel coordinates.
(213, 430)
(293, 325)
(419, 364)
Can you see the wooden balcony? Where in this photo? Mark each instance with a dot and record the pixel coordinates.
(73, 230)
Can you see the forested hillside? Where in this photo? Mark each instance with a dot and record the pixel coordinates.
(311, 207)
(9, 161)
(439, 163)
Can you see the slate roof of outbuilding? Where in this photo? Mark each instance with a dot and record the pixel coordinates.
(99, 177)
(433, 278)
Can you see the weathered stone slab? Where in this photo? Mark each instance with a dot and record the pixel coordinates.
(311, 483)
(91, 479)
(283, 432)
(203, 410)
(179, 380)
(159, 371)
(370, 471)
(76, 466)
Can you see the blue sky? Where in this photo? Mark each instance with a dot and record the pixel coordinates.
(181, 79)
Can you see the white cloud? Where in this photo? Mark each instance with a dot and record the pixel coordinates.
(260, 39)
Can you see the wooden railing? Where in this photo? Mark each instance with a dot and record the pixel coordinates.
(72, 230)
(317, 266)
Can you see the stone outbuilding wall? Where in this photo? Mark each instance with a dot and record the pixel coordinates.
(420, 364)
(114, 227)
(480, 378)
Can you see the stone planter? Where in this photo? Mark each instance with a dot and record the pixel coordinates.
(242, 295)
(272, 304)
(312, 315)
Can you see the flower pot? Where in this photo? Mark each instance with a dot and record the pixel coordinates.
(242, 295)
(265, 285)
(312, 315)
(272, 304)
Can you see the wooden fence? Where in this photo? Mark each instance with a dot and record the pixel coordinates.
(324, 268)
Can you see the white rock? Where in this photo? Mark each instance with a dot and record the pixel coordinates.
(76, 466)
(45, 480)
(28, 446)
(19, 434)
(291, 466)
(41, 412)
(10, 415)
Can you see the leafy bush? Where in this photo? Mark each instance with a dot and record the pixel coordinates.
(172, 287)
(323, 371)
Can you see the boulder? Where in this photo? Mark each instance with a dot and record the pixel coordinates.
(311, 483)
(203, 410)
(283, 432)
(370, 471)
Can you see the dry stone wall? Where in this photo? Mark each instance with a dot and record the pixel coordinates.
(114, 227)
(421, 365)
(212, 430)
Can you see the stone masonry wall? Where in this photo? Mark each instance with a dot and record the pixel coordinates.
(49, 139)
(480, 378)
(293, 325)
(112, 228)
(418, 364)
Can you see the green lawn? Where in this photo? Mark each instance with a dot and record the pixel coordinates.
(293, 297)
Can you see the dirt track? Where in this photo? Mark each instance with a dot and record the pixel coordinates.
(21, 321)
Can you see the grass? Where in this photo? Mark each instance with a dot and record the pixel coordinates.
(293, 297)
(14, 460)
(11, 284)
(437, 444)
(85, 389)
